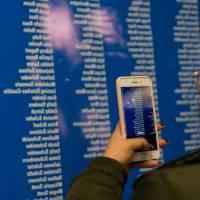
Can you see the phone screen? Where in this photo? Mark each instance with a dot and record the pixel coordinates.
(138, 114)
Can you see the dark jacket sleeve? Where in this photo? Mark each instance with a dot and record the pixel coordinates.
(176, 183)
(103, 179)
(152, 187)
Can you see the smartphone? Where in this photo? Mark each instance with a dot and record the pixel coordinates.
(137, 113)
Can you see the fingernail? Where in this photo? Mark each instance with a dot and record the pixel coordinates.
(159, 162)
(162, 124)
(167, 141)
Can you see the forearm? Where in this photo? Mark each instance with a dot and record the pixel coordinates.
(103, 179)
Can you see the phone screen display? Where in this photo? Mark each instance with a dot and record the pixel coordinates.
(138, 114)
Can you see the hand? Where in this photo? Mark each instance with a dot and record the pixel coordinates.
(123, 150)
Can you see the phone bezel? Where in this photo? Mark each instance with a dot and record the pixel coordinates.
(137, 81)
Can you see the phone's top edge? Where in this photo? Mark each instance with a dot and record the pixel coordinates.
(128, 77)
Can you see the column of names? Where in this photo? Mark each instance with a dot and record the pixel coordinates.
(37, 81)
(187, 36)
(95, 119)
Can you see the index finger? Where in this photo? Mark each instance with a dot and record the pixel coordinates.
(160, 126)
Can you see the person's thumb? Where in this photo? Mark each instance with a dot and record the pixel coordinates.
(136, 144)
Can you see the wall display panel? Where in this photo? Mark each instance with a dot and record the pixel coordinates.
(59, 62)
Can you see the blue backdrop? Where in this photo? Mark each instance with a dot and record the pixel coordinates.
(59, 62)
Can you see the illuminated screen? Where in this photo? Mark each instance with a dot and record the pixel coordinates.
(138, 114)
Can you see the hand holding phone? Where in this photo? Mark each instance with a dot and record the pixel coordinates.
(123, 150)
(137, 114)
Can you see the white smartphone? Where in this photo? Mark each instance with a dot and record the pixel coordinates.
(137, 113)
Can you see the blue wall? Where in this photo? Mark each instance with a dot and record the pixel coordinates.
(59, 62)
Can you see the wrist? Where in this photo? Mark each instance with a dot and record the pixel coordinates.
(116, 159)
